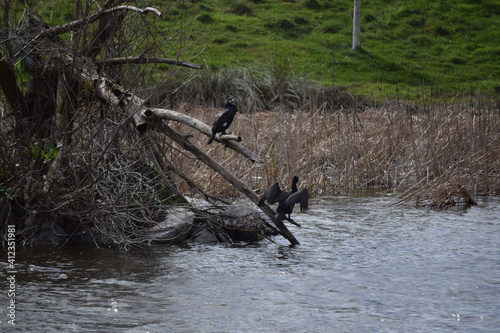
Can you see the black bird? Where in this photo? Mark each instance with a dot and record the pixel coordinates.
(224, 118)
(286, 200)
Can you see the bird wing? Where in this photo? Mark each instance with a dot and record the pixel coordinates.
(218, 115)
(280, 217)
(224, 118)
(272, 194)
(301, 197)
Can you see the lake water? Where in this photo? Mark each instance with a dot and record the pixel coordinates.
(361, 267)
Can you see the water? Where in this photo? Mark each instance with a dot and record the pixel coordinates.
(361, 267)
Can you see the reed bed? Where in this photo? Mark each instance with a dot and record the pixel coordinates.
(396, 147)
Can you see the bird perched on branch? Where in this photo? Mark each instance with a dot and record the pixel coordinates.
(224, 118)
(286, 200)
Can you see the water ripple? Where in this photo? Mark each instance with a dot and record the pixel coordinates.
(361, 268)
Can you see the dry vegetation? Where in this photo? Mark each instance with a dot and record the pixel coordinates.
(397, 147)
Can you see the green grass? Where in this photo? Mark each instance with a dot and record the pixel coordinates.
(407, 47)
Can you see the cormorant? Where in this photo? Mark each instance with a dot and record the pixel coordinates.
(224, 118)
(286, 200)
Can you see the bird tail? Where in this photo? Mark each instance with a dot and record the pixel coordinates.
(304, 206)
(304, 202)
(212, 137)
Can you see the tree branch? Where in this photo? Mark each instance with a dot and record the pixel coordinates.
(145, 60)
(203, 128)
(60, 29)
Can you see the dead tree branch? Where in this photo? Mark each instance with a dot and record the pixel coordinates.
(146, 60)
(72, 26)
(203, 128)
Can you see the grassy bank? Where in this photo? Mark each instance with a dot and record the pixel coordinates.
(408, 48)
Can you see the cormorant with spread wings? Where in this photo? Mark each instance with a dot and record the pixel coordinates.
(286, 200)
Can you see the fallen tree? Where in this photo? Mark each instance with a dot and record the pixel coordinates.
(84, 152)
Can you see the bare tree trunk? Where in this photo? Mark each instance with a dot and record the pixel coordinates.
(16, 99)
(356, 25)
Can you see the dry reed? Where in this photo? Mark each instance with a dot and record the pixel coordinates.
(395, 147)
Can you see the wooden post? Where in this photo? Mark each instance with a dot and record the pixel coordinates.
(356, 25)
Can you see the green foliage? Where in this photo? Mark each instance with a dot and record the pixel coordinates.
(46, 153)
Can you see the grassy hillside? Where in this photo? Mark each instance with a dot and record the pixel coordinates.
(447, 46)
(409, 48)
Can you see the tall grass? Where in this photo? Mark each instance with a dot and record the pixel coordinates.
(274, 87)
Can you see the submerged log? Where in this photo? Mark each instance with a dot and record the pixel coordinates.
(235, 222)
(175, 227)
(244, 223)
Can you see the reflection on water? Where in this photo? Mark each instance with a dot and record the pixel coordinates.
(362, 267)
